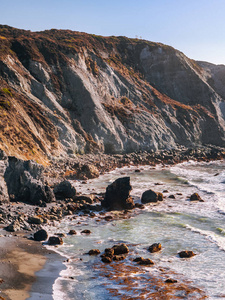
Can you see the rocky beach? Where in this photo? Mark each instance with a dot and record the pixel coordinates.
(111, 169)
(29, 215)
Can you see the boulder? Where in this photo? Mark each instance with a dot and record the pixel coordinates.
(55, 240)
(86, 231)
(117, 195)
(120, 249)
(87, 171)
(14, 226)
(86, 198)
(196, 197)
(94, 252)
(160, 196)
(106, 259)
(186, 254)
(72, 232)
(109, 252)
(35, 220)
(150, 196)
(143, 261)
(108, 218)
(64, 190)
(139, 205)
(170, 280)
(119, 257)
(137, 259)
(155, 247)
(40, 235)
(25, 182)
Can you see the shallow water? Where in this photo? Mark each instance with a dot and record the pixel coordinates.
(177, 224)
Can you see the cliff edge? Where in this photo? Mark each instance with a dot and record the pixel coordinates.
(64, 93)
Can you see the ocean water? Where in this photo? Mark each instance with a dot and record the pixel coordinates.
(178, 224)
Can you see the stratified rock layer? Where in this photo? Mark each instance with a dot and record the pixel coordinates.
(65, 92)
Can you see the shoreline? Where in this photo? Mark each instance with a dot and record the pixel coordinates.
(20, 260)
(36, 263)
(26, 266)
(89, 166)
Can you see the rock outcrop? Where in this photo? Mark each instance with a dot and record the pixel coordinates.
(117, 195)
(24, 182)
(65, 92)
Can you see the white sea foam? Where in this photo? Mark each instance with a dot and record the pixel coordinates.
(177, 222)
(210, 236)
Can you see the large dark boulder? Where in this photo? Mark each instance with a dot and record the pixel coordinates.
(64, 190)
(120, 249)
(25, 182)
(118, 195)
(40, 235)
(55, 240)
(150, 196)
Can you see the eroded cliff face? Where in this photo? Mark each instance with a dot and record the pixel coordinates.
(64, 92)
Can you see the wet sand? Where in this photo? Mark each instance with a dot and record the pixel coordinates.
(20, 260)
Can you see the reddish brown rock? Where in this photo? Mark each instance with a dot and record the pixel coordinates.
(143, 261)
(155, 247)
(109, 252)
(196, 197)
(86, 231)
(139, 205)
(137, 259)
(120, 249)
(108, 218)
(119, 257)
(186, 254)
(94, 252)
(72, 232)
(106, 259)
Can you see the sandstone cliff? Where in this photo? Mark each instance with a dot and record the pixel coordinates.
(65, 92)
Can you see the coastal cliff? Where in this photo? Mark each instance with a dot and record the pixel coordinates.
(64, 93)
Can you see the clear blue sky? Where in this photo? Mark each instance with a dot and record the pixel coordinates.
(195, 27)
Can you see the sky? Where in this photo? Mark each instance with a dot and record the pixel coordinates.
(195, 27)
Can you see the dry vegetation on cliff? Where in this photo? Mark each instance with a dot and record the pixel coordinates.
(65, 92)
